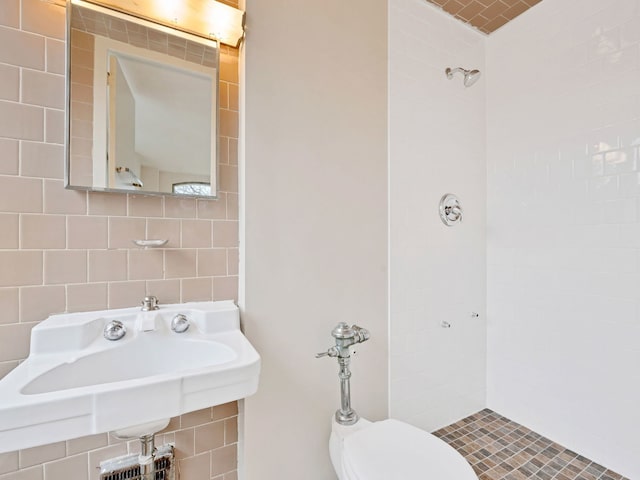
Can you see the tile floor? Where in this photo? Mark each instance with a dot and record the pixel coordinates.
(500, 449)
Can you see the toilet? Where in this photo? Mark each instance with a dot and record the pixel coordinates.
(390, 450)
(385, 450)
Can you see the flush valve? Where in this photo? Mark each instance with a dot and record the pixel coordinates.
(345, 337)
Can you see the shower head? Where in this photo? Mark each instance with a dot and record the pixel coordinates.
(470, 76)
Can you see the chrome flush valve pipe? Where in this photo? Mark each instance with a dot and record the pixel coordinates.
(345, 337)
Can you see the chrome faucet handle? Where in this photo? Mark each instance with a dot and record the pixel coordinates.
(331, 352)
(180, 323)
(114, 330)
(150, 303)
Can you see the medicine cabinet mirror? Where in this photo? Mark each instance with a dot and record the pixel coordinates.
(142, 113)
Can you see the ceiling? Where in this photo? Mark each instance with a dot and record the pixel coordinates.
(485, 15)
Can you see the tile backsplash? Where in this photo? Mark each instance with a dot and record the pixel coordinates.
(64, 250)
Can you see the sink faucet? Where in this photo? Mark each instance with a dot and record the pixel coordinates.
(150, 303)
(146, 320)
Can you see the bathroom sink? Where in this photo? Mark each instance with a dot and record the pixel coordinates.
(75, 382)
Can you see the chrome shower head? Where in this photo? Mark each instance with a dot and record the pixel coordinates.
(470, 76)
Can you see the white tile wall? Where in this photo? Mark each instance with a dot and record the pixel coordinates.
(437, 145)
(563, 225)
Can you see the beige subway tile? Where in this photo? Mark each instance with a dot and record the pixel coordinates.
(65, 266)
(175, 207)
(223, 95)
(209, 436)
(167, 291)
(234, 97)
(10, 13)
(122, 231)
(42, 160)
(231, 430)
(198, 467)
(232, 206)
(212, 262)
(213, 209)
(225, 410)
(233, 151)
(112, 204)
(126, 294)
(165, 229)
(85, 297)
(75, 467)
(20, 195)
(42, 89)
(174, 424)
(102, 454)
(27, 49)
(196, 289)
(33, 473)
(54, 126)
(20, 268)
(225, 288)
(87, 232)
(180, 263)
(9, 82)
(44, 18)
(224, 459)
(233, 261)
(228, 178)
(145, 206)
(84, 444)
(9, 228)
(14, 341)
(223, 151)
(37, 303)
(57, 199)
(45, 453)
(231, 475)
(229, 68)
(107, 265)
(146, 264)
(196, 233)
(55, 52)
(6, 367)
(228, 123)
(225, 234)
(9, 153)
(8, 462)
(9, 305)
(185, 443)
(195, 418)
(42, 231)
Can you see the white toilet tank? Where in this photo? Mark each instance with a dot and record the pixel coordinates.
(392, 449)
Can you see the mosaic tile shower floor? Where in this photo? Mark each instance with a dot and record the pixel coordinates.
(500, 449)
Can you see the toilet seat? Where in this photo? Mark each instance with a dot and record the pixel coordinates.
(395, 450)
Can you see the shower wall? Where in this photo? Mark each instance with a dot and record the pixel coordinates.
(563, 226)
(437, 273)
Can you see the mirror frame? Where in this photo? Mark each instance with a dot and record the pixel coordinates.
(209, 42)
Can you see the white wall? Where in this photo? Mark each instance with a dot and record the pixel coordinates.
(315, 222)
(437, 145)
(563, 226)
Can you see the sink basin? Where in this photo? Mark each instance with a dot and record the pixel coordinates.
(76, 383)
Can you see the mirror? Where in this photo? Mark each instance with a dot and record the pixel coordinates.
(142, 106)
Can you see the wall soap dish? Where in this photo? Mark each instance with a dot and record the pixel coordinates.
(151, 243)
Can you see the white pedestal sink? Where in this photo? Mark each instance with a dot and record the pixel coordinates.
(76, 383)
